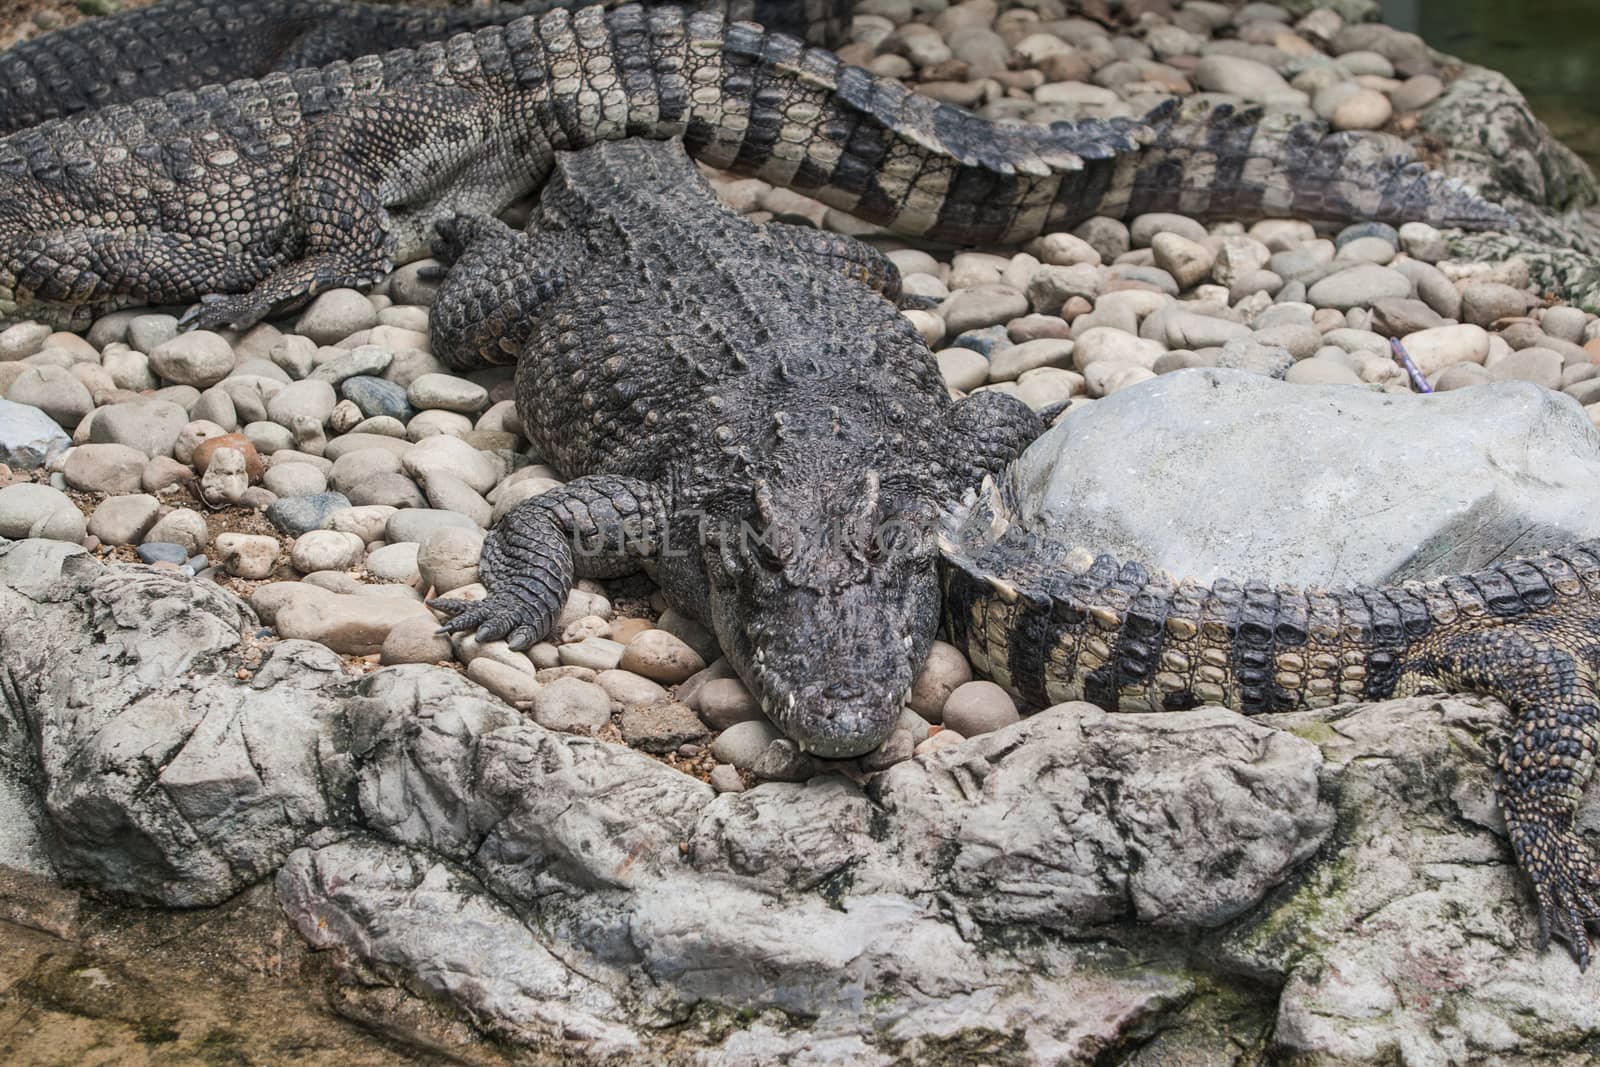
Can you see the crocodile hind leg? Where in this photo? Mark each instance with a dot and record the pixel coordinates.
(987, 431)
(89, 272)
(493, 286)
(1545, 674)
(845, 255)
(353, 164)
(597, 526)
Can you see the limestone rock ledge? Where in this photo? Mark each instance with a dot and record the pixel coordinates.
(1080, 887)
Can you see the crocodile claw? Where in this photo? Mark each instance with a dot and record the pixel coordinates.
(499, 616)
(1566, 881)
(238, 311)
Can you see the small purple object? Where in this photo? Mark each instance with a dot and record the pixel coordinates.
(1418, 382)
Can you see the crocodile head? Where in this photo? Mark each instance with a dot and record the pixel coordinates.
(823, 595)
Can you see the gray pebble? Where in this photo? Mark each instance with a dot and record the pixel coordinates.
(311, 398)
(725, 778)
(415, 524)
(449, 493)
(362, 360)
(268, 437)
(106, 468)
(784, 762)
(743, 743)
(199, 358)
(979, 708)
(25, 339)
(28, 510)
(1482, 303)
(162, 552)
(1358, 286)
(326, 550)
(1565, 323)
(571, 705)
(298, 515)
(389, 489)
(295, 479)
(446, 392)
(377, 396)
(335, 315)
(182, 527)
(124, 520)
(29, 438)
(725, 701)
(54, 391)
(151, 426)
(1359, 230)
(1321, 370)
(394, 563)
(986, 305)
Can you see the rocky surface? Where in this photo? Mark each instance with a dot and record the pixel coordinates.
(1059, 890)
(1222, 473)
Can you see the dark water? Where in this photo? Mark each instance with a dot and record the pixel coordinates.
(1549, 48)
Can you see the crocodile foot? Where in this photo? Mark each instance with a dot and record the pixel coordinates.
(452, 237)
(238, 311)
(1566, 881)
(504, 614)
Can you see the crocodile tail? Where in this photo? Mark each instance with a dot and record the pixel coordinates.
(1033, 617)
(765, 104)
(1212, 160)
(1051, 623)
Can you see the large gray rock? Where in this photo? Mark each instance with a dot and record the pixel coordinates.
(562, 889)
(1215, 473)
(1055, 892)
(1411, 942)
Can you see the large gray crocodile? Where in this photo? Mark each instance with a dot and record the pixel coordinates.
(734, 416)
(772, 441)
(185, 44)
(256, 195)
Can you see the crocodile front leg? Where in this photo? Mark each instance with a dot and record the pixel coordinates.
(598, 526)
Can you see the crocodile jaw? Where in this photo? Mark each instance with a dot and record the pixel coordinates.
(831, 669)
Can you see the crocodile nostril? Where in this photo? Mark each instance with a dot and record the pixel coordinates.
(842, 690)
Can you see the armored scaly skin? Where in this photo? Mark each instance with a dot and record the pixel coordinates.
(1031, 615)
(734, 418)
(184, 44)
(275, 189)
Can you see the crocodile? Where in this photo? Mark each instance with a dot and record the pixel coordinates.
(740, 417)
(254, 196)
(736, 414)
(1036, 615)
(185, 44)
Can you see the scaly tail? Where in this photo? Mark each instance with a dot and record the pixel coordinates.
(1038, 618)
(1216, 161)
(763, 104)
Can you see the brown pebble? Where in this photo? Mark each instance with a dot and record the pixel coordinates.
(625, 629)
(252, 460)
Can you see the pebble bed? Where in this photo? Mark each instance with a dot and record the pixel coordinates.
(331, 470)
